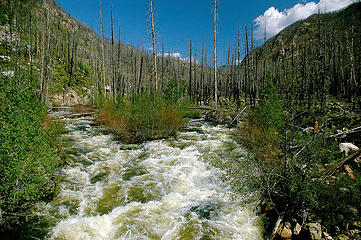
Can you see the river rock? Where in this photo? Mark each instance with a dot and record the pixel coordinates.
(285, 230)
(346, 147)
(130, 147)
(315, 231)
(297, 229)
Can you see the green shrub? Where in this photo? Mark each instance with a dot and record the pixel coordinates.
(28, 157)
(146, 118)
(294, 164)
(271, 109)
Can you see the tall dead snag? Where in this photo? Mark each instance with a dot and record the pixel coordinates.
(190, 69)
(72, 59)
(44, 62)
(113, 53)
(238, 64)
(140, 74)
(215, 51)
(118, 84)
(246, 62)
(103, 49)
(202, 85)
(154, 47)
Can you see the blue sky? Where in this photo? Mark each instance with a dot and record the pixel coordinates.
(179, 21)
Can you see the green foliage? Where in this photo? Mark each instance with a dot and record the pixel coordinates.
(338, 201)
(271, 109)
(173, 91)
(147, 117)
(28, 159)
(294, 164)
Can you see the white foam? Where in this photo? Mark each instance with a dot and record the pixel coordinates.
(163, 196)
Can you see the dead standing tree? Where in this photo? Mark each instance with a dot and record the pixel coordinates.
(154, 46)
(215, 50)
(103, 48)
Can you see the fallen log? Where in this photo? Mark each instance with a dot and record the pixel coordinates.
(75, 115)
(201, 108)
(343, 134)
(238, 115)
(343, 162)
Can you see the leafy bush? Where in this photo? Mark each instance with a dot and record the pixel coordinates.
(28, 157)
(294, 165)
(148, 117)
(271, 109)
(173, 91)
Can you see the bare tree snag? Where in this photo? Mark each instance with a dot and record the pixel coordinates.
(215, 52)
(103, 49)
(154, 48)
(190, 70)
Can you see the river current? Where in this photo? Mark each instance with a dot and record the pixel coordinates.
(163, 189)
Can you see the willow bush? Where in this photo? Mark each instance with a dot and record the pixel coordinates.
(148, 117)
(28, 150)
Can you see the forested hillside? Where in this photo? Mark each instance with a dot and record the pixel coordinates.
(304, 85)
(312, 60)
(294, 102)
(66, 54)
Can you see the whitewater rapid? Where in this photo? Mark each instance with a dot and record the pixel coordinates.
(163, 189)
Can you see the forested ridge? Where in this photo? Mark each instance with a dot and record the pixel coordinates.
(297, 95)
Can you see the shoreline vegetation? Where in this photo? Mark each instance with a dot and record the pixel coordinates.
(301, 88)
(310, 189)
(146, 118)
(31, 151)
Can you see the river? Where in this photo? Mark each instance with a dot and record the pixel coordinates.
(163, 189)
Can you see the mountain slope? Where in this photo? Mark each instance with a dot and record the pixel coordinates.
(67, 56)
(310, 61)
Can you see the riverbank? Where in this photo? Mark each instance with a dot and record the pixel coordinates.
(30, 153)
(311, 189)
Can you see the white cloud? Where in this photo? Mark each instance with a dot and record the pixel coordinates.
(173, 55)
(275, 21)
(178, 56)
(194, 60)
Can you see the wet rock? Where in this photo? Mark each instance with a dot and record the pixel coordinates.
(207, 209)
(346, 147)
(285, 231)
(315, 231)
(130, 147)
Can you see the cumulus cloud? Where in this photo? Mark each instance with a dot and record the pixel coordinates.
(275, 21)
(173, 55)
(179, 57)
